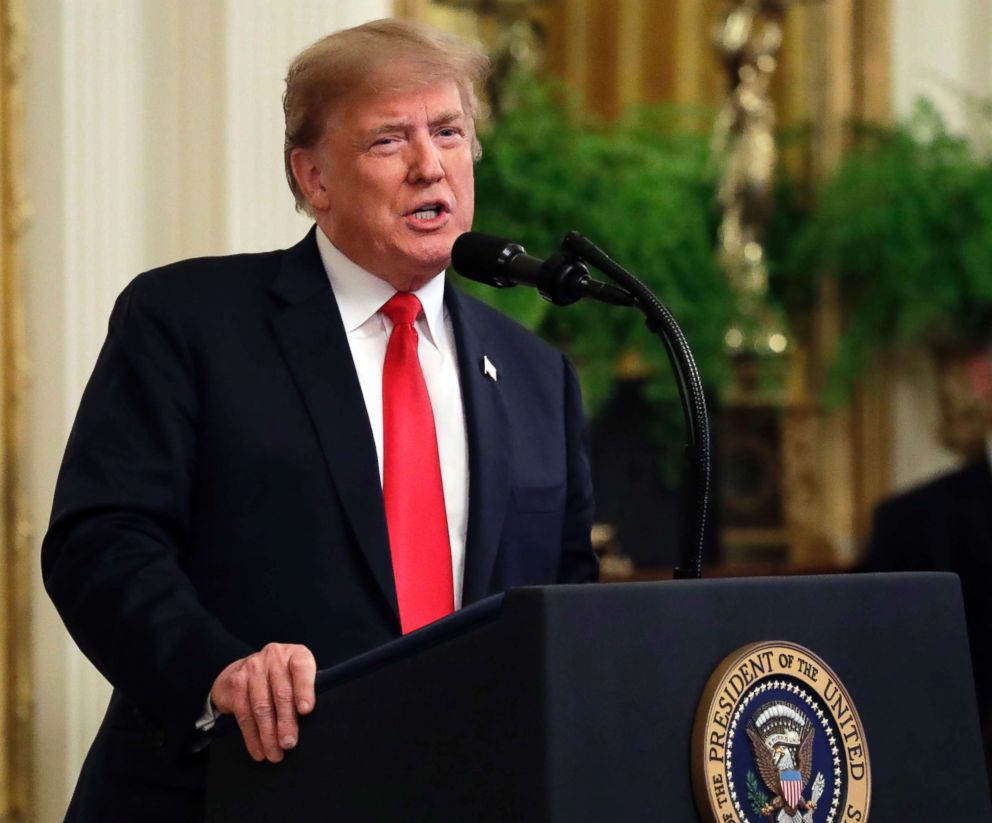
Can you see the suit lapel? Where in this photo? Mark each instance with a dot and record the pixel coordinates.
(308, 327)
(487, 428)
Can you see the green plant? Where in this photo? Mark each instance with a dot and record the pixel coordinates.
(643, 190)
(905, 226)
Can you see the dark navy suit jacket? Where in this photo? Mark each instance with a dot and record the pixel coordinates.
(946, 525)
(220, 491)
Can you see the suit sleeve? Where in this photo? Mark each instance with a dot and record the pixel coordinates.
(114, 558)
(578, 561)
(900, 538)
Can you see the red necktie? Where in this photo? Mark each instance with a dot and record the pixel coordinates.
(411, 484)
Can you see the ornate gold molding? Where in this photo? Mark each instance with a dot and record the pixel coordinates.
(840, 458)
(621, 52)
(15, 685)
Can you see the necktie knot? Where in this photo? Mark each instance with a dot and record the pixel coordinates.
(402, 308)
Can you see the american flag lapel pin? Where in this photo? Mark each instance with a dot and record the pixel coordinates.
(488, 369)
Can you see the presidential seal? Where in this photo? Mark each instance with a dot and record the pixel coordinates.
(777, 738)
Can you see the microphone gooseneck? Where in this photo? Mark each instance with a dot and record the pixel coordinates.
(661, 321)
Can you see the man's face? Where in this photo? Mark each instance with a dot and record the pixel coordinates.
(393, 184)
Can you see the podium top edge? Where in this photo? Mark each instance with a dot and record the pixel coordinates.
(834, 578)
(433, 634)
(866, 579)
(489, 609)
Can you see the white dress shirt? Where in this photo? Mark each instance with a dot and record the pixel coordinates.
(359, 296)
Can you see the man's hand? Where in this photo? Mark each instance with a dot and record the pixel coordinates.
(264, 692)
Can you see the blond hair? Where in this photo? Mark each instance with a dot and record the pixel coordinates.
(357, 61)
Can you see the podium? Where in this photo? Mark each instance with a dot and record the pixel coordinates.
(577, 703)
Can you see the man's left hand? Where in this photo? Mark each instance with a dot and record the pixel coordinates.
(264, 692)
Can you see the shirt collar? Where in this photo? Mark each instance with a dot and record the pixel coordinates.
(360, 294)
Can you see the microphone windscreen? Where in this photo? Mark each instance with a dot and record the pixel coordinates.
(479, 256)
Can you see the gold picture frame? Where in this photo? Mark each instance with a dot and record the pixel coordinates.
(15, 687)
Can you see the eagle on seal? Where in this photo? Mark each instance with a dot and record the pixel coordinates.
(782, 738)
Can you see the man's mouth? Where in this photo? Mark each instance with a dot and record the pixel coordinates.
(428, 211)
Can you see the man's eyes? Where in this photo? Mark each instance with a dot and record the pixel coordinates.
(393, 141)
(447, 131)
(385, 145)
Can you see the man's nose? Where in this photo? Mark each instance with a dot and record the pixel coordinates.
(425, 161)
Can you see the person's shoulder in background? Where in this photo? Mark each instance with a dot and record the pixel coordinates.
(910, 529)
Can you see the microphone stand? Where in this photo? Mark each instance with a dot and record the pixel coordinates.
(660, 321)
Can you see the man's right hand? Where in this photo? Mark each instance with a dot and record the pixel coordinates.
(265, 691)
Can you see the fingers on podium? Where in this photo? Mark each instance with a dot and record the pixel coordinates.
(265, 691)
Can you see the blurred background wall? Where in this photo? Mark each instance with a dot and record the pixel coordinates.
(137, 132)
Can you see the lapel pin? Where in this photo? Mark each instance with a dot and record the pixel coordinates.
(488, 369)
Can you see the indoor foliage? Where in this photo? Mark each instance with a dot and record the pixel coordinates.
(905, 226)
(643, 190)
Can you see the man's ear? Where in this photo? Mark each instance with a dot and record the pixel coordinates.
(308, 173)
(979, 368)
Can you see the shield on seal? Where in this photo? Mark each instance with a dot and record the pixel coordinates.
(792, 787)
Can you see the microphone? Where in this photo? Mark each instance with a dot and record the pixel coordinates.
(562, 278)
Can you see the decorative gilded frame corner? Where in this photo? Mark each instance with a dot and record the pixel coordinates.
(16, 702)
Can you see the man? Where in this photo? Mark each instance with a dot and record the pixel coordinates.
(253, 487)
(946, 523)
